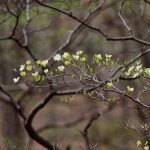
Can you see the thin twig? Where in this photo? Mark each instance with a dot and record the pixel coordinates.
(122, 19)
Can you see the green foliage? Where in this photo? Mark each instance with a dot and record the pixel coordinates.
(80, 68)
(66, 61)
(67, 99)
(143, 145)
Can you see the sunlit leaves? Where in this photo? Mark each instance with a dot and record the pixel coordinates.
(36, 76)
(90, 94)
(57, 57)
(108, 57)
(75, 57)
(16, 79)
(146, 147)
(79, 64)
(83, 59)
(80, 68)
(79, 52)
(29, 69)
(44, 63)
(143, 145)
(28, 62)
(22, 73)
(65, 56)
(46, 71)
(67, 63)
(61, 68)
(22, 67)
(137, 70)
(111, 100)
(130, 89)
(139, 143)
(109, 85)
(67, 99)
(38, 62)
(97, 58)
(147, 71)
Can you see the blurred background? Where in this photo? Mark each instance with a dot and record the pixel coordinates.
(45, 30)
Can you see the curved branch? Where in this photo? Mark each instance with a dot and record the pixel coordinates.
(15, 105)
(85, 131)
(66, 125)
(130, 97)
(28, 123)
(146, 1)
(73, 17)
(97, 29)
(128, 38)
(122, 19)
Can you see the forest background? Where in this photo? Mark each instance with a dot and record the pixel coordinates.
(107, 108)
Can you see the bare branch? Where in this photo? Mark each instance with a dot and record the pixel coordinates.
(128, 38)
(147, 1)
(75, 32)
(85, 131)
(28, 123)
(73, 17)
(123, 20)
(13, 102)
(67, 125)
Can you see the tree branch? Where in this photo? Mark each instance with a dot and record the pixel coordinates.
(15, 105)
(85, 131)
